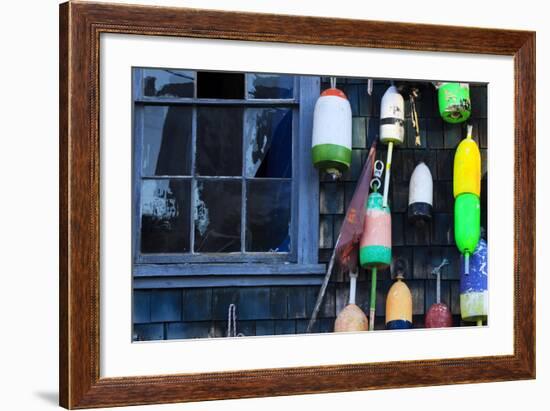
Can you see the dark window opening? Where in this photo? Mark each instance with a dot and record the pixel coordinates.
(220, 85)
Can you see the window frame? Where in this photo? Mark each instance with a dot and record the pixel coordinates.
(297, 267)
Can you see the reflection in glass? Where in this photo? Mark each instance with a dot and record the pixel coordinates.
(217, 216)
(165, 208)
(268, 215)
(168, 83)
(167, 140)
(269, 86)
(268, 137)
(219, 141)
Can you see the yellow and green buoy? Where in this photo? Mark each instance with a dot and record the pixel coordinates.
(466, 189)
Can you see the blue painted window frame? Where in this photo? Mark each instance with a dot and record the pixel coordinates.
(298, 267)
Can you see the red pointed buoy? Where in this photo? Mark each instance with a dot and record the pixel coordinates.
(439, 314)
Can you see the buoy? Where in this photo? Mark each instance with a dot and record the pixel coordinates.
(351, 318)
(467, 220)
(392, 130)
(466, 188)
(439, 315)
(331, 140)
(375, 244)
(420, 195)
(399, 305)
(467, 167)
(454, 102)
(474, 297)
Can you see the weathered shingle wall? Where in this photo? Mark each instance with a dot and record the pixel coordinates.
(193, 313)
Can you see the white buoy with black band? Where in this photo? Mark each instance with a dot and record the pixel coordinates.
(420, 195)
(392, 130)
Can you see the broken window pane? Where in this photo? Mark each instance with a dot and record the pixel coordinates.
(165, 216)
(269, 86)
(219, 141)
(268, 215)
(211, 84)
(217, 216)
(168, 83)
(268, 139)
(167, 140)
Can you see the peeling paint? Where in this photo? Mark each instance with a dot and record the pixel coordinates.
(258, 128)
(255, 153)
(201, 217)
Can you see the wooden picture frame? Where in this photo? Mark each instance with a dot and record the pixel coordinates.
(80, 27)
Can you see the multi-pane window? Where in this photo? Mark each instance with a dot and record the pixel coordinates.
(220, 173)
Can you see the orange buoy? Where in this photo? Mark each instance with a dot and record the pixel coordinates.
(399, 305)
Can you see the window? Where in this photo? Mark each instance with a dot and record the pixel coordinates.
(224, 190)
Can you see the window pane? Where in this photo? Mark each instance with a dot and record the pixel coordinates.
(268, 137)
(219, 141)
(167, 140)
(268, 215)
(218, 216)
(220, 85)
(269, 86)
(165, 218)
(168, 83)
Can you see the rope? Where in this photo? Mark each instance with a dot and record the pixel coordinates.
(414, 118)
(437, 272)
(232, 322)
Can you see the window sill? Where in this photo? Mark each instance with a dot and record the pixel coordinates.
(225, 275)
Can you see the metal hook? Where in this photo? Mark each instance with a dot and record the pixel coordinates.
(378, 168)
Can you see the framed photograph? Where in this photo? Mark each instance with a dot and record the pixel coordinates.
(260, 205)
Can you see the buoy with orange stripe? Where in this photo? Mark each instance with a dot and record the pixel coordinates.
(331, 140)
(466, 189)
(392, 129)
(399, 305)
